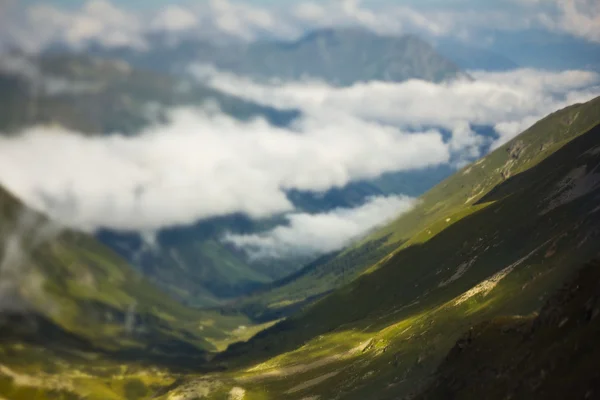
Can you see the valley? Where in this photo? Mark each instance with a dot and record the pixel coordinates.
(103, 96)
(493, 247)
(341, 213)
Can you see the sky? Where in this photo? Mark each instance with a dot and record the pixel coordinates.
(35, 23)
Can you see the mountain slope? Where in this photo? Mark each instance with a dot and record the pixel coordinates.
(72, 308)
(497, 238)
(340, 56)
(465, 261)
(95, 96)
(449, 201)
(550, 355)
(346, 56)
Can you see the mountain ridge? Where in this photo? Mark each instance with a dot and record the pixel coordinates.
(341, 56)
(505, 254)
(460, 189)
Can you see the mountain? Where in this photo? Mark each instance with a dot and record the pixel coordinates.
(340, 56)
(97, 96)
(192, 263)
(452, 196)
(71, 307)
(552, 354)
(495, 239)
(346, 56)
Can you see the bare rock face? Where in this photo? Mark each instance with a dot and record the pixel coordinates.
(516, 149)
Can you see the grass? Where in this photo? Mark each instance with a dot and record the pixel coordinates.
(454, 198)
(401, 305)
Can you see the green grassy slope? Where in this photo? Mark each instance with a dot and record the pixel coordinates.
(448, 202)
(495, 239)
(82, 286)
(461, 261)
(74, 314)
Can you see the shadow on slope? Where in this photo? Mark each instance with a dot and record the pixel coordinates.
(455, 257)
(554, 355)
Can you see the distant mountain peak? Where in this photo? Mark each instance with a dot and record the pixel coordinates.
(340, 56)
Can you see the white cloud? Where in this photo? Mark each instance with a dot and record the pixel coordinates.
(174, 18)
(244, 20)
(112, 24)
(201, 165)
(501, 99)
(204, 164)
(397, 19)
(580, 18)
(309, 234)
(97, 20)
(466, 141)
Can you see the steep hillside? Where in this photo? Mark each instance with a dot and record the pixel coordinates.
(550, 355)
(495, 239)
(71, 307)
(451, 200)
(346, 56)
(340, 56)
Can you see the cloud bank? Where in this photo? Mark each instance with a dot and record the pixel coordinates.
(509, 101)
(579, 18)
(309, 234)
(201, 165)
(204, 164)
(113, 25)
